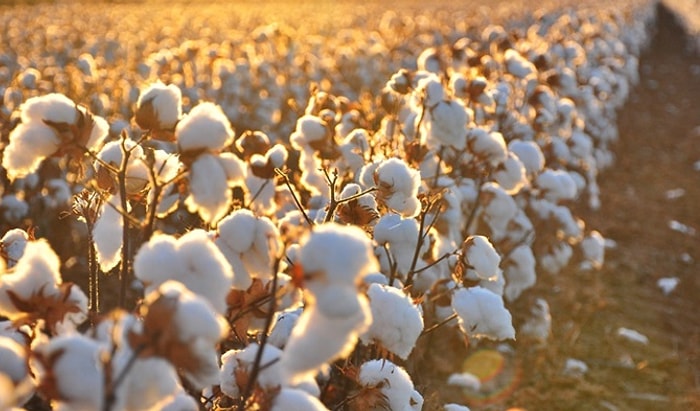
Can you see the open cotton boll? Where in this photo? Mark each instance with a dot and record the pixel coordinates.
(482, 314)
(237, 364)
(456, 407)
(518, 65)
(556, 185)
(397, 186)
(189, 339)
(159, 107)
(192, 259)
(488, 146)
(318, 339)
(210, 196)
(137, 174)
(147, 382)
(206, 127)
(465, 380)
(13, 360)
(310, 130)
(36, 273)
(519, 271)
(499, 209)
(402, 236)
(12, 246)
(70, 371)
(529, 154)
(336, 254)
(511, 174)
(30, 144)
(234, 168)
(54, 107)
(180, 401)
(285, 322)
(446, 125)
(292, 399)
(593, 247)
(393, 382)
(13, 208)
(107, 233)
(361, 211)
(478, 252)
(556, 258)
(250, 244)
(397, 322)
(539, 326)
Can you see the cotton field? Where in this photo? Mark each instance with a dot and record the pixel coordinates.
(218, 208)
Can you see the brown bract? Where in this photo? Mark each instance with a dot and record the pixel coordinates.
(51, 308)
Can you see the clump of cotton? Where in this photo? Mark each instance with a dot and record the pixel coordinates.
(481, 257)
(159, 107)
(192, 259)
(12, 245)
(593, 248)
(556, 185)
(292, 399)
(107, 233)
(205, 127)
(51, 125)
(332, 261)
(397, 321)
(183, 328)
(394, 384)
(489, 147)
(136, 172)
(482, 314)
(236, 366)
(250, 245)
(445, 121)
(13, 364)
(539, 326)
(529, 154)
(397, 187)
(70, 372)
(401, 235)
(519, 271)
(35, 290)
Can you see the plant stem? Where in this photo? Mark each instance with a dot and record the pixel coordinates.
(124, 267)
(294, 196)
(438, 325)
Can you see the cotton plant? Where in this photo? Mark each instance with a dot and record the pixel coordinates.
(331, 263)
(159, 108)
(397, 187)
(51, 126)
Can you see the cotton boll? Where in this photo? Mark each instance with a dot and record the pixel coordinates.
(318, 339)
(529, 154)
(12, 246)
(499, 209)
(397, 322)
(180, 401)
(192, 260)
(13, 360)
(539, 326)
(446, 125)
(13, 208)
(478, 252)
(285, 322)
(402, 236)
(209, 195)
(30, 144)
(482, 314)
(159, 107)
(511, 174)
(465, 380)
(206, 127)
(147, 382)
(593, 247)
(107, 233)
(190, 339)
(309, 130)
(70, 370)
(36, 273)
(518, 65)
(291, 399)
(556, 258)
(556, 185)
(337, 254)
(393, 382)
(234, 168)
(397, 187)
(54, 107)
(488, 146)
(519, 271)
(137, 175)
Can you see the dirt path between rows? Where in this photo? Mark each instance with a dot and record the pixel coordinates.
(658, 151)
